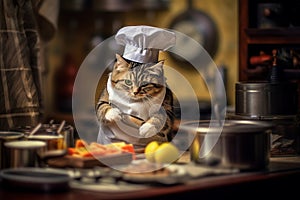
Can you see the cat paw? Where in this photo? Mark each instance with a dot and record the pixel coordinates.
(113, 114)
(147, 130)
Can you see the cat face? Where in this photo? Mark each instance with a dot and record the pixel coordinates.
(138, 81)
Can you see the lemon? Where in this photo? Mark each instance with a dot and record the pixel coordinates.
(150, 150)
(166, 153)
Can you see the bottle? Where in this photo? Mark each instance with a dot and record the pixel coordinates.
(276, 73)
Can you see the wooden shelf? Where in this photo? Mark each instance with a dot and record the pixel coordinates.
(274, 32)
(253, 40)
(273, 36)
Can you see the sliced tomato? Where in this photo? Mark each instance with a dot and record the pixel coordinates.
(71, 150)
(128, 148)
(80, 143)
(82, 151)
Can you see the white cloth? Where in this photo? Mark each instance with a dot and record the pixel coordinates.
(143, 43)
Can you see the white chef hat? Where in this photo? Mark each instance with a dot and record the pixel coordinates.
(143, 43)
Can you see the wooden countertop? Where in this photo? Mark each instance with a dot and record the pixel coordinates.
(281, 179)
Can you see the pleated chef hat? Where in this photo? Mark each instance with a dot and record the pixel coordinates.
(143, 43)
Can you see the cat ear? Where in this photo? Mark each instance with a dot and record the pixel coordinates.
(157, 68)
(121, 64)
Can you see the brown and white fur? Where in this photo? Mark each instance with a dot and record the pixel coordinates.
(139, 82)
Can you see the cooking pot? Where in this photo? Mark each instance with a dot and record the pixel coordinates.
(241, 144)
(6, 136)
(53, 142)
(23, 153)
(285, 137)
(51, 129)
(261, 99)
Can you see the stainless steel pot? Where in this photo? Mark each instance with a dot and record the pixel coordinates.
(23, 153)
(53, 142)
(51, 130)
(6, 136)
(241, 144)
(285, 137)
(266, 99)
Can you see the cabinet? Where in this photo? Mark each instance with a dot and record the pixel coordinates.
(265, 25)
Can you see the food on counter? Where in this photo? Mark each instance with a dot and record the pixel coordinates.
(150, 150)
(83, 149)
(165, 152)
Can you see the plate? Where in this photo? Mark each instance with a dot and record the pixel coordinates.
(37, 179)
(89, 162)
(167, 175)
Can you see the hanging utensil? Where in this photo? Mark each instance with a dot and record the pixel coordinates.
(199, 26)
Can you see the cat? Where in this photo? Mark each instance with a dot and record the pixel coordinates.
(142, 90)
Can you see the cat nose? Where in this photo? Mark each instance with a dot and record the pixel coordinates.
(135, 92)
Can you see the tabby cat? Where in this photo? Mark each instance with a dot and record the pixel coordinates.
(138, 90)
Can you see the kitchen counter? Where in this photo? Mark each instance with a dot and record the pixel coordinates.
(280, 179)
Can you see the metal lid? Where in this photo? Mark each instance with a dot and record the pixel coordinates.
(10, 135)
(264, 85)
(229, 126)
(45, 137)
(25, 144)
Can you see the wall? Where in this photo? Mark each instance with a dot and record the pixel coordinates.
(75, 31)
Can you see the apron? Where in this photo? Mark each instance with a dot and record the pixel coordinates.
(121, 131)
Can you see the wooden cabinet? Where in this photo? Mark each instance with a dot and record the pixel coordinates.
(265, 25)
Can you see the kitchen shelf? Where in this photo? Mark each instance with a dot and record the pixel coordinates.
(273, 36)
(275, 32)
(253, 39)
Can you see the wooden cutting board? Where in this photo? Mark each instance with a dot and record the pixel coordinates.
(89, 162)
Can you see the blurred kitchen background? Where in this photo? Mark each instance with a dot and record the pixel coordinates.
(82, 24)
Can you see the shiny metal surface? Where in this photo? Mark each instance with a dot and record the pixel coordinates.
(6, 136)
(23, 153)
(260, 99)
(242, 144)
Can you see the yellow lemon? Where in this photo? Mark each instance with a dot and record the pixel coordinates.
(150, 150)
(166, 153)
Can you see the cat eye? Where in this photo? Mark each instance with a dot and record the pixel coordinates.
(128, 82)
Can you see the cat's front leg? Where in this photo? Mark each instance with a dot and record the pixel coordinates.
(113, 115)
(147, 130)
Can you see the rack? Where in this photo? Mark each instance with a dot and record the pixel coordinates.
(256, 35)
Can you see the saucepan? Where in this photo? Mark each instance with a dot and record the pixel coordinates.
(29, 153)
(7, 136)
(51, 132)
(23, 153)
(241, 144)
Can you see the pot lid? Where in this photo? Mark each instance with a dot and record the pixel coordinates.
(25, 144)
(9, 135)
(229, 126)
